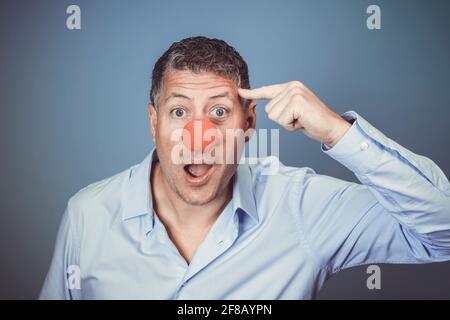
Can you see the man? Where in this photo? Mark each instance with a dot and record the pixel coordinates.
(168, 230)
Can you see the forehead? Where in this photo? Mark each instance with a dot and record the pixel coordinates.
(203, 82)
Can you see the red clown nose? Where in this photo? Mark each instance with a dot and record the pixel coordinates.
(196, 136)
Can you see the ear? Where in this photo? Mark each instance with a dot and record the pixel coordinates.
(152, 115)
(250, 119)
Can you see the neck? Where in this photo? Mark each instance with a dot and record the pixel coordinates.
(179, 215)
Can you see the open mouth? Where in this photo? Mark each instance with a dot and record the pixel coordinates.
(197, 173)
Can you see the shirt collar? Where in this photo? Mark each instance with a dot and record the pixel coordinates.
(243, 193)
(138, 195)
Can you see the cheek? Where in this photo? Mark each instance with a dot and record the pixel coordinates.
(241, 120)
(168, 131)
(167, 142)
(232, 143)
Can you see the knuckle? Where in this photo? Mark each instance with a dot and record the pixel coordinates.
(296, 83)
(296, 91)
(297, 97)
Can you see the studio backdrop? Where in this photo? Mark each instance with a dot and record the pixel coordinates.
(74, 93)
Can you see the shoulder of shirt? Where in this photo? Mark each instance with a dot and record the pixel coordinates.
(281, 186)
(297, 179)
(261, 171)
(99, 200)
(284, 182)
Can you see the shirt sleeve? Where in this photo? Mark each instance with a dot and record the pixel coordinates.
(63, 278)
(400, 213)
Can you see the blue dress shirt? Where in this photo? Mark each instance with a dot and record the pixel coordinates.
(280, 237)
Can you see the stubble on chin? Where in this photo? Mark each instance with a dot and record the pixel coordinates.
(187, 195)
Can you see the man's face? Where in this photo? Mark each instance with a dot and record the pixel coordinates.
(187, 96)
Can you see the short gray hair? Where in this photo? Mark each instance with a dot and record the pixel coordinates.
(200, 54)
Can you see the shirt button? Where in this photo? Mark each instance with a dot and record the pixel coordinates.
(364, 146)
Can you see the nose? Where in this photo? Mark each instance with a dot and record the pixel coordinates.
(198, 134)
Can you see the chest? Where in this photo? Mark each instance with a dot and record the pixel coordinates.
(187, 243)
(264, 261)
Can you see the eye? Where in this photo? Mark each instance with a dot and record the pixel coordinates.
(178, 112)
(219, 112)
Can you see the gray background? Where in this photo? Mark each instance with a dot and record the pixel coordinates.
(73, 103)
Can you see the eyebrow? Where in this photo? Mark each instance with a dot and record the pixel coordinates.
(176, 95)
(182, 96)
(221, 95)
